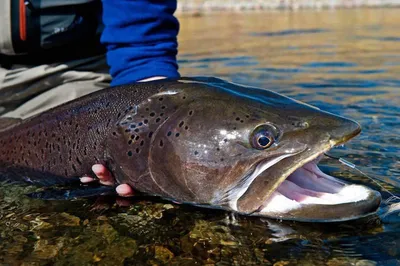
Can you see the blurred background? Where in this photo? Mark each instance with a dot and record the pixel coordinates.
(240, 5)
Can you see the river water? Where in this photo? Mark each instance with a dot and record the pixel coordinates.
(346, 62)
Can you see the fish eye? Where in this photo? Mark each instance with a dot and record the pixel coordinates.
(263, 136)
(264, 141)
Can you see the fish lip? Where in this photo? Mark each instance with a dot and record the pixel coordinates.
(372, 200)
(232, 198)
(347, 137)
(289, 152)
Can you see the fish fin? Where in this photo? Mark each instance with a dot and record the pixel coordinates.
(24, 175)
(70, 194)
(8, 122)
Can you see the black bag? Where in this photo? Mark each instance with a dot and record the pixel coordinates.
(41, 25)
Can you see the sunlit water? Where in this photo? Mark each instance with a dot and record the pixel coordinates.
(346, 62)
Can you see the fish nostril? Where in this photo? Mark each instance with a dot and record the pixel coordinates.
(300, 124)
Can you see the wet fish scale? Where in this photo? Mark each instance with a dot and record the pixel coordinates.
(68, 140)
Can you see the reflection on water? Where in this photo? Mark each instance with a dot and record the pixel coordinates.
(346, 62)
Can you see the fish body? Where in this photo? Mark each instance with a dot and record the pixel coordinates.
(200, 141)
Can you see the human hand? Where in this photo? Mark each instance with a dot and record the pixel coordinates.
(102, 173)
(104, 176)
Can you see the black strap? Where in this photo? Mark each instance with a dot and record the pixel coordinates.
(55, 55)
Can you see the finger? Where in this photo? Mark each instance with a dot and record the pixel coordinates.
(86, 179)
(103, 174)
(124, 190)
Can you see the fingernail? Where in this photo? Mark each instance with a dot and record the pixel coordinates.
(86, 179)
(97, 168)
(124, 190)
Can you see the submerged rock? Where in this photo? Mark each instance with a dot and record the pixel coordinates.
(163, 254)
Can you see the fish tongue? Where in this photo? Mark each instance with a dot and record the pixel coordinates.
(290, 196)
(310, 177)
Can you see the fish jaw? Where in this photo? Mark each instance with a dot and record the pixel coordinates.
(302, 192)
(309, 195)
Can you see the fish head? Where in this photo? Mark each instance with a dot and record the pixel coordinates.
(253, 151)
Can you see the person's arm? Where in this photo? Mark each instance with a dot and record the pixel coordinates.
(141, 39)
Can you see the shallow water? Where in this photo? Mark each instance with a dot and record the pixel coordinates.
(346, 62)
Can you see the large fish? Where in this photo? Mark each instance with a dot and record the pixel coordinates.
(200, 141)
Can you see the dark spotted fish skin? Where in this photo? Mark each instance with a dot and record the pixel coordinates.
(193, 140)
(66, 141)
(151, 136)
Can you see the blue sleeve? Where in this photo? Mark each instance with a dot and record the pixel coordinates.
(141, 39)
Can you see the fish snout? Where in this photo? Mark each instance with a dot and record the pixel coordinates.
(345, 131)
(339, 129)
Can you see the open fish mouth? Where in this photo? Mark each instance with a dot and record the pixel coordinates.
(308, 194)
